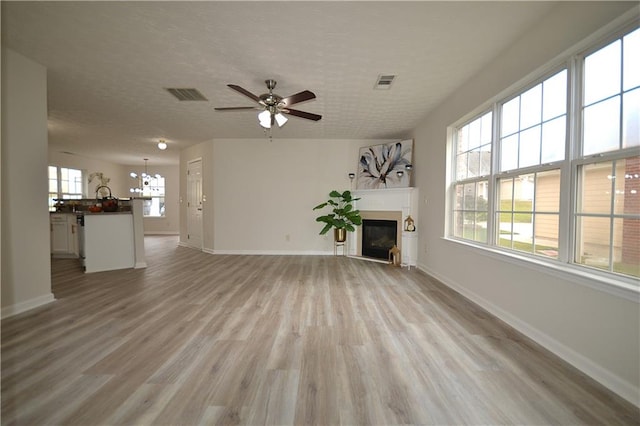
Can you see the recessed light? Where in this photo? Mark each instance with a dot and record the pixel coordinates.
(162, 145)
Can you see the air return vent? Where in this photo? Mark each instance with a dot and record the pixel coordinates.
(384, 82)
(187, 94)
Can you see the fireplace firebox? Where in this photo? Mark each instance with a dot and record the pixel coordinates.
(378, 236)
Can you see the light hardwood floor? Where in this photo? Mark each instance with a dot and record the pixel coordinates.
(205, 339)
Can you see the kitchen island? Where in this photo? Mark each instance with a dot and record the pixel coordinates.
(108, 241)
(113, 240)
(103, 241)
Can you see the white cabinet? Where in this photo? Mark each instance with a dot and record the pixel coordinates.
(64, 236)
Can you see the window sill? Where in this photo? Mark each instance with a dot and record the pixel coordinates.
(627, 288)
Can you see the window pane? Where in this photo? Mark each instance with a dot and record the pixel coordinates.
(602, 127)
(480, 233)
(553, 140)
(509, 153)
(505, 232)
(510, 117)
(53, 186)
(485, 160)
(531, 107)
(626, 246)
(530, 147)
(53, 172)
(459, 197)
(596, 188)
(602, 73)
(631, 119)
(458, 224)
(463, 139)
(470, 196)
(627, 182)
(487, 128)
(631, 77)
(523, 189)
(461, 166)
(523, 232)
(546, 236)
(547, 192)
(505, 194)
(482, 196)
(474, 134)
(555, 96)
(474, 163)
(593, 249)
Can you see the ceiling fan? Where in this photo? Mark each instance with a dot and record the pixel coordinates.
(274, 106)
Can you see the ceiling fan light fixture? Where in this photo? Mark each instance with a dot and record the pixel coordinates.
(281, 119)
(265, 119)
(162, 145)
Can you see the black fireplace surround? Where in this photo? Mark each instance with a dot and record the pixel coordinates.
(378, 236)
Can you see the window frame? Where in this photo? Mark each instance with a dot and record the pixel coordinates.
(573, 62)
(60, 194)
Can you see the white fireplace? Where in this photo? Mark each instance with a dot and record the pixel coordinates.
(389, 204)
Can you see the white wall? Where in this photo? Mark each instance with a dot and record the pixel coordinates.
(261, 194)
(26, 263)
(596, 331)
(118, 174)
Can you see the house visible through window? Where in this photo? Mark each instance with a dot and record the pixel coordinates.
(64, 184)
(561, 148)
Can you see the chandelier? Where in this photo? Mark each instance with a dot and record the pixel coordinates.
(146, 183)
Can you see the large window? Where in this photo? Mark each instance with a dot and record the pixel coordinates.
(64, 184)
(557, 174)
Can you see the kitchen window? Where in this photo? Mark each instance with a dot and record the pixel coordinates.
(64, 184)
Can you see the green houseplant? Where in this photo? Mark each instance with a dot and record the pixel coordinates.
(342, 218)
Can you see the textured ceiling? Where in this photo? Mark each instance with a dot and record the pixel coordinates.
(109, 62)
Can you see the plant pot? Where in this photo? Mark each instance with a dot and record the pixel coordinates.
(339, 235)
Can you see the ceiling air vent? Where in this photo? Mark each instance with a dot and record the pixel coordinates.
(384, 82)
(187, 94)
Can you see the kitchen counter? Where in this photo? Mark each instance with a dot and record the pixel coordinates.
(112, 240)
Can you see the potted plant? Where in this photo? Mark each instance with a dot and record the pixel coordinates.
(342, 218)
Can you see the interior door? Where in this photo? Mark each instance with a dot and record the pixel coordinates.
(194, 203)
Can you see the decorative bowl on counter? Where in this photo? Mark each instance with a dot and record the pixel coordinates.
(95, 209)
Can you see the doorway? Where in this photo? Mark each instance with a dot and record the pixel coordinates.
(194, 203)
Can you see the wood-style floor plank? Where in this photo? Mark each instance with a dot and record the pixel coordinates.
(279, 340)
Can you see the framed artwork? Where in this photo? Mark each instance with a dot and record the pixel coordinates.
(384, 166)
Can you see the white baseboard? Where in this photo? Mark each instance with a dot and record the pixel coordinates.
(161, 233)
(140, 265)
(605, 377)
(271, 252)
(18, 308)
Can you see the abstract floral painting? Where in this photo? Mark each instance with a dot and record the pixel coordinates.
(384, 166)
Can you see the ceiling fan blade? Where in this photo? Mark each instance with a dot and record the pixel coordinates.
(302, 114)
(234, 108)
(244, 92)
(305, 95)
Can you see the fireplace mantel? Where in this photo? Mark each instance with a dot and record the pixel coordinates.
(401, 200)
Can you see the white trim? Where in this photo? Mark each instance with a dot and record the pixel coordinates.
(140, 265)
(613, 382)
(578, 275)
(27, 305)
